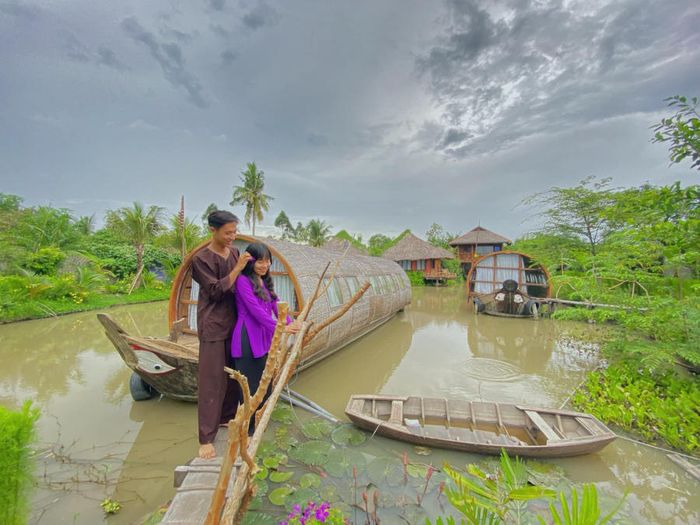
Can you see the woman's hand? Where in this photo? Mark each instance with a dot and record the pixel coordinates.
(293, 327)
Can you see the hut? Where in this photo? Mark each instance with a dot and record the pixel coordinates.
(508, 283)
(417, 255)
(169, 365)
(475, 243)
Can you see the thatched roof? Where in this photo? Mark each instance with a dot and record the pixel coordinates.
(480, 235)
(411, 248)
(336, 245)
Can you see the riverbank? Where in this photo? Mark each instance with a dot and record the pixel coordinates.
(29, 310)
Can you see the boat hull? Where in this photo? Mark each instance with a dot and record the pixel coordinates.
(480, 427)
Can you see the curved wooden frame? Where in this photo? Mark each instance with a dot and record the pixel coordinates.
(478, 259)
(176, 288)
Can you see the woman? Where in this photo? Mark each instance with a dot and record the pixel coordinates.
(216, 268)
(256, 305)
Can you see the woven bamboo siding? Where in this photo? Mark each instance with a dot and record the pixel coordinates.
(296, 270)
(488, 273)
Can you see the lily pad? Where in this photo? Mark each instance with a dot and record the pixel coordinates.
(283, 440)
(417, 471)
(385, 471)
(266, 448)
(301, 497)
(341, 460)
(275, 460)
(258, 518)
(316, 429)
(310, 480)
(422, 451)
(329, 493)
(283, 414)
(255, 504)
(280, 477)
(279, 495)
(312, 452)
(262, 473)
(348, 435)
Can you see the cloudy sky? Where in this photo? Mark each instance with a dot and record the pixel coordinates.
(373, 115)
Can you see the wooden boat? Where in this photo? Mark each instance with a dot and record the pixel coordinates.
(169, 365)
(507, 284)
(479, 426)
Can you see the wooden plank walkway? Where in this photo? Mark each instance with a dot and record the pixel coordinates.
(195, 483)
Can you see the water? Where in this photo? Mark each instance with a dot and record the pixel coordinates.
(97, 443)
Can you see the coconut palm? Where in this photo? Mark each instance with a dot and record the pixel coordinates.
(317, 232)
(251, 194)
(138, 226)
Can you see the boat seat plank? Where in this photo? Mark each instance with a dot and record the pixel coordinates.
(590, 426)
(396, 417)
(542, 425)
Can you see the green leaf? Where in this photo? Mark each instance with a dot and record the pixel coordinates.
(348, 435)
(279, 495)
(311, 452)
(280, 477)
(310, 480)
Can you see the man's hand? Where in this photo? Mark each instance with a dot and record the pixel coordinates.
(242, 261)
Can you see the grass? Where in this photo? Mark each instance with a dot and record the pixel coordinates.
(51, 308)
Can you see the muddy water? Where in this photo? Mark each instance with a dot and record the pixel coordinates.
(95, 442)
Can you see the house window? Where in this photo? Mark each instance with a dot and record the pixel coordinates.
(406, 265)
(335, 297)
(482, 249)
(420, 265)
(353, 285)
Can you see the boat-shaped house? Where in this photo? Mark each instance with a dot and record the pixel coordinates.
(169, 365)
(508, 283)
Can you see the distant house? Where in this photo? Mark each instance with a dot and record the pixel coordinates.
(476, 243)
(414, 254)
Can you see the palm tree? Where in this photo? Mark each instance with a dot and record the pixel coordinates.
(318, 232)
(138, 226)
(205, 216)
(189, 232)
(251, 194)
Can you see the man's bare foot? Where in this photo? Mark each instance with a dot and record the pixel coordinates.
(207, 451)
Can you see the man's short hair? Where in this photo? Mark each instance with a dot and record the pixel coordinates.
(218, 218)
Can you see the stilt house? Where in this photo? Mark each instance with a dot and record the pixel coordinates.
(476, 243)
(417, 255)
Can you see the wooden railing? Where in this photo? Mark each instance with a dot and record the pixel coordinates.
(439, 274)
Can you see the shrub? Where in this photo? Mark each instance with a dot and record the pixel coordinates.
(45, 260)
(16, 434)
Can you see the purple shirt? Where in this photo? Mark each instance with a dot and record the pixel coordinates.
(258, 316)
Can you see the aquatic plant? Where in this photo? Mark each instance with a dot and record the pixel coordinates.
(16, 434)
(313, 514)
(502, 497)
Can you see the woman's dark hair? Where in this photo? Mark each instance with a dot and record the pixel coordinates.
(259, 251)
(218, 218)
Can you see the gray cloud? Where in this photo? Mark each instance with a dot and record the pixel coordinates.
(20, 9)
(217, 5)
(169, 57)
(261, 15)
(507, 70)
(107, 57)
(228, 57)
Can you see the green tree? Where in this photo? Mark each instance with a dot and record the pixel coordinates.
(318, 232)
(378, 243)
(205, 216)
(682, 130)
(138, 226)
(250, 194)
(283, 222)
(191, 232)
(438, 236)
(576, 212)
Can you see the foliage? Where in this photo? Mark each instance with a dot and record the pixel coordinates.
(354, 240)
(318, 232)
(250, 193)
(437, 236)
(576, 212)
(380, 243)
(110, 506)
(652, 404)
(16, 434)
(138, 226)
(45, 260)
(415, 278)
(501, 498)
(682, 130)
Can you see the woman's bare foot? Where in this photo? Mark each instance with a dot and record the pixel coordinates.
(207, 451)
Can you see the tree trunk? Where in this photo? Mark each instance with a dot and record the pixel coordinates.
(138, 278)
(253, 224)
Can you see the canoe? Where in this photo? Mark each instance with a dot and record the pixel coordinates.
(481, 427)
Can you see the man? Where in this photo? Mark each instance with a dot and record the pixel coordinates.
(216, 268)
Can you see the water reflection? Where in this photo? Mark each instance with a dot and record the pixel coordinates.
(437, 347)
